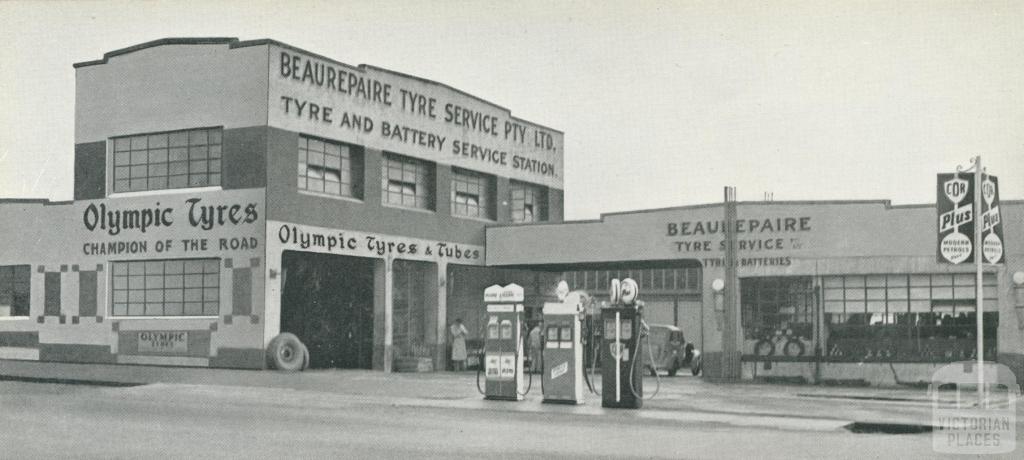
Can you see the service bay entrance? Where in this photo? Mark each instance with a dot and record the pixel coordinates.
(327, 301)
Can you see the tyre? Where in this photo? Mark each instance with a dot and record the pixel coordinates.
(695, 367)
(794, 347)
(764, 347)
(305, 356)
(287, 353)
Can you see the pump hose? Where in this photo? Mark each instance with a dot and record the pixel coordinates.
(593, 370)
(483, 356)
(529, 385)
(589, 377)
(541, 352)
(479, 371)
(632, 369)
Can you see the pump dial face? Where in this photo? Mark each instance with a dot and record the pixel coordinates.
(628, 291)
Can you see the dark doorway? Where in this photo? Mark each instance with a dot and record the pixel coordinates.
(327, 301)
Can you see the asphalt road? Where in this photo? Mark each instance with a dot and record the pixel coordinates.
(207, 421)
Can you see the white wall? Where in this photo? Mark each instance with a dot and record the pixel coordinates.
(171, 87)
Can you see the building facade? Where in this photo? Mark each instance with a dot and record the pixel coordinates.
(226, 191)
(827, 291)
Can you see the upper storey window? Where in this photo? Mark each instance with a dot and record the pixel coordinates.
(407, 182)
(471, 194)
(529, 202)
(329, 167)
(167, 160)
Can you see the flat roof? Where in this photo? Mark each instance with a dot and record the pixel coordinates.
(234, 42)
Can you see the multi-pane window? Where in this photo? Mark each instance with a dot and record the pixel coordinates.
(686, 280)
(15, 282)
(177, 287)
(471, 194)
(407, 182)
(918, 317)
(167, 160)
(329, 167)
(528, 202)
(883, 299)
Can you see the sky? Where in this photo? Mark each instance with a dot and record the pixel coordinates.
(662, 103)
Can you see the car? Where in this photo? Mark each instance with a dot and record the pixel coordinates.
(670, 351)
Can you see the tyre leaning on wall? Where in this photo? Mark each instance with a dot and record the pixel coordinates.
(287, 353)
(305, 356)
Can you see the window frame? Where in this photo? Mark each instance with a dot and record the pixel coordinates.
(350, 168)
(213, 161)
(925, 317)
(113, 290)
(527, 199)
(467, 180)
(407, 173)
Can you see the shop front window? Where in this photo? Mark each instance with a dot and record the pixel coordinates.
(176, 287)
(916, 318)
(778, 315)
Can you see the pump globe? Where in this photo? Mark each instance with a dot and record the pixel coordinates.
(629, 291)
(614, 291)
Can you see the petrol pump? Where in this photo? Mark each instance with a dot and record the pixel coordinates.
(562, 370)
(503, 343)
(622, 384)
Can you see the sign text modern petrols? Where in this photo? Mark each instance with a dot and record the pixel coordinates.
(957, 218)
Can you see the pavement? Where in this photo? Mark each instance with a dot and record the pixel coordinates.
(679, 399)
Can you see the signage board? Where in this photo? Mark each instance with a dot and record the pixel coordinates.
(991, 222)
(290, 236)
(955, 206)
(957, 219)
(389, 111)
(168, 342)
(170, 225)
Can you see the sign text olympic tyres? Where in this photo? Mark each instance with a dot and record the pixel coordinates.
(957, 218)
(163, 342)
(217, 222)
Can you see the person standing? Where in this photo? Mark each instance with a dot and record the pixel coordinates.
(459, 334)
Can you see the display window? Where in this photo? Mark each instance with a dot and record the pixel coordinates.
(875, 317)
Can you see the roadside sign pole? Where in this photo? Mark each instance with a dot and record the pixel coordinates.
(978, 297)
(955, 247)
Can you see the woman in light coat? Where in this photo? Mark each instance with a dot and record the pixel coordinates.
(459, 334)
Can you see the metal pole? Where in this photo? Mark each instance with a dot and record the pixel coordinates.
(978, 279)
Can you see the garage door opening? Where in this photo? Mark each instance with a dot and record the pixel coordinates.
(327, 301)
